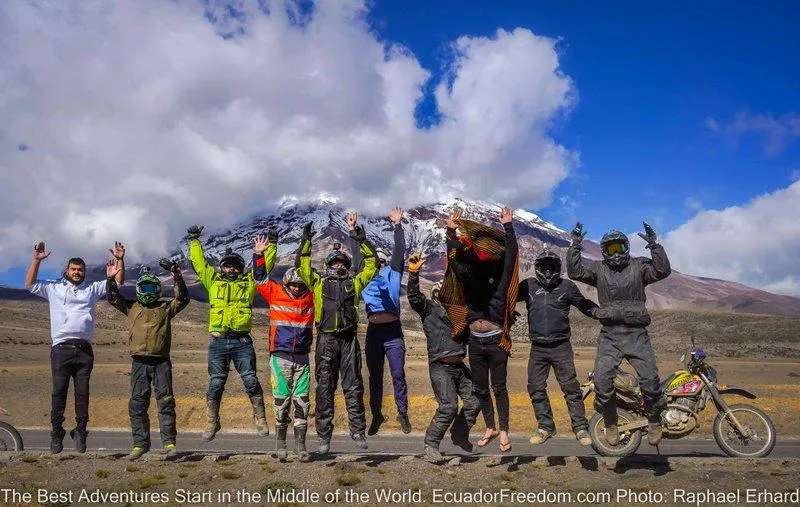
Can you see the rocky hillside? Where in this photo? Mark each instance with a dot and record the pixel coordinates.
(424, 229)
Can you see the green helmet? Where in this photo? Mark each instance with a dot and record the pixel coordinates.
(148, 289)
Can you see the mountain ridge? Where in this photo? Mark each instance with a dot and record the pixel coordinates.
(424, 230)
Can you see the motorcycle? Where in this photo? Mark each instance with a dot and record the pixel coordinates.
(10, 439)
(740, 430)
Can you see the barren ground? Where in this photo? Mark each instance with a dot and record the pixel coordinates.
(766, 363)
(207, 480)
(757, 352)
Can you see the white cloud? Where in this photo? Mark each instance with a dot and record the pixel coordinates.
(779, 132)
(133, 119)
(756, 244)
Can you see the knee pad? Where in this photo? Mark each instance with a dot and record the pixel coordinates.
(470, 404)
(251, 385)
(166, 401)
(448, 409)
(279, 407)
(140, 398)
(301, 408)
(216, 383)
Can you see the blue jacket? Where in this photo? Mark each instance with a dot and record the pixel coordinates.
(382, 294)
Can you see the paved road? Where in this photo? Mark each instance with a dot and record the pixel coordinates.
(389, 444)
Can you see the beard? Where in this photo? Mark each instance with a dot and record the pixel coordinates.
(75, 279)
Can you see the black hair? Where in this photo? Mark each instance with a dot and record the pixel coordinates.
(76, 260)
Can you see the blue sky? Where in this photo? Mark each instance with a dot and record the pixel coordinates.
(171, 113)
(648, 77)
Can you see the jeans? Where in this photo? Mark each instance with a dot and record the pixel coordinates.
(221, 351)
(487, 359)
(72, 359)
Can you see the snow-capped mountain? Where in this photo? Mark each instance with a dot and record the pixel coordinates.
(424, 228)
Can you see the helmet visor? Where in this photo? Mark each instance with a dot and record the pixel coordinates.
(615, 247)
(148, 288)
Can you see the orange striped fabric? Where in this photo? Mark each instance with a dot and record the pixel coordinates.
(489, 245)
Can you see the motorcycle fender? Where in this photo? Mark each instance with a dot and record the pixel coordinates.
(739, 391)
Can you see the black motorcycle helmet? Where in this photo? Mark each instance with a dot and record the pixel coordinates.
(337, 255)
(616, 249)
(547, 267)
(231, 259)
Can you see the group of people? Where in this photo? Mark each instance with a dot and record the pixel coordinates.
(467, 315)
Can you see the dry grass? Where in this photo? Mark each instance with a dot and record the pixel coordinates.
(25, 379)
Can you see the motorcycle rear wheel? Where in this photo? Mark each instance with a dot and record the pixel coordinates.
(759, 444)
(10, 439)
(628, 441)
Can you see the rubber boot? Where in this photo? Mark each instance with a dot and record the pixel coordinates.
(212, 420)
(300, 443)
(260, 415)
(280, 441)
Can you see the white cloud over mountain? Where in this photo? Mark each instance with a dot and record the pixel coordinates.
(132, 119)
(756, 243)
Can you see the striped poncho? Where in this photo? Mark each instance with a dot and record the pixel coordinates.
(478, 262)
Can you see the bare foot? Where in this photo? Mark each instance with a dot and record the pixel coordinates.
(505, 442)
(489, 435)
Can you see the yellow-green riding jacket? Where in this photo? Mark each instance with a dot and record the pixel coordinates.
(231, 301)
(336, 299)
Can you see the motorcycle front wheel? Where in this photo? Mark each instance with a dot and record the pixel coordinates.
(10, 439)
(762, 432)
(628, 441)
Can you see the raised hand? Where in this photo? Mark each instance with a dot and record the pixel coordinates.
(272, 235)
(352, 220)
(260, 243)
(415, 262)
(649, 235)
(168, 264)
(396, 216)
(112, 268)
(578, 234)
(308, 232)
(358, 234)
(451, 222)
(38, 251)
(118, 251)
(506, 215)
(194, 232)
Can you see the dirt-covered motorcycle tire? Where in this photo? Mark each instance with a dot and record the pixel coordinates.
(628, 443)
(10, 437)
(762, 451)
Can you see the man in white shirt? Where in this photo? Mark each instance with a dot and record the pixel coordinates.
(72, 302)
